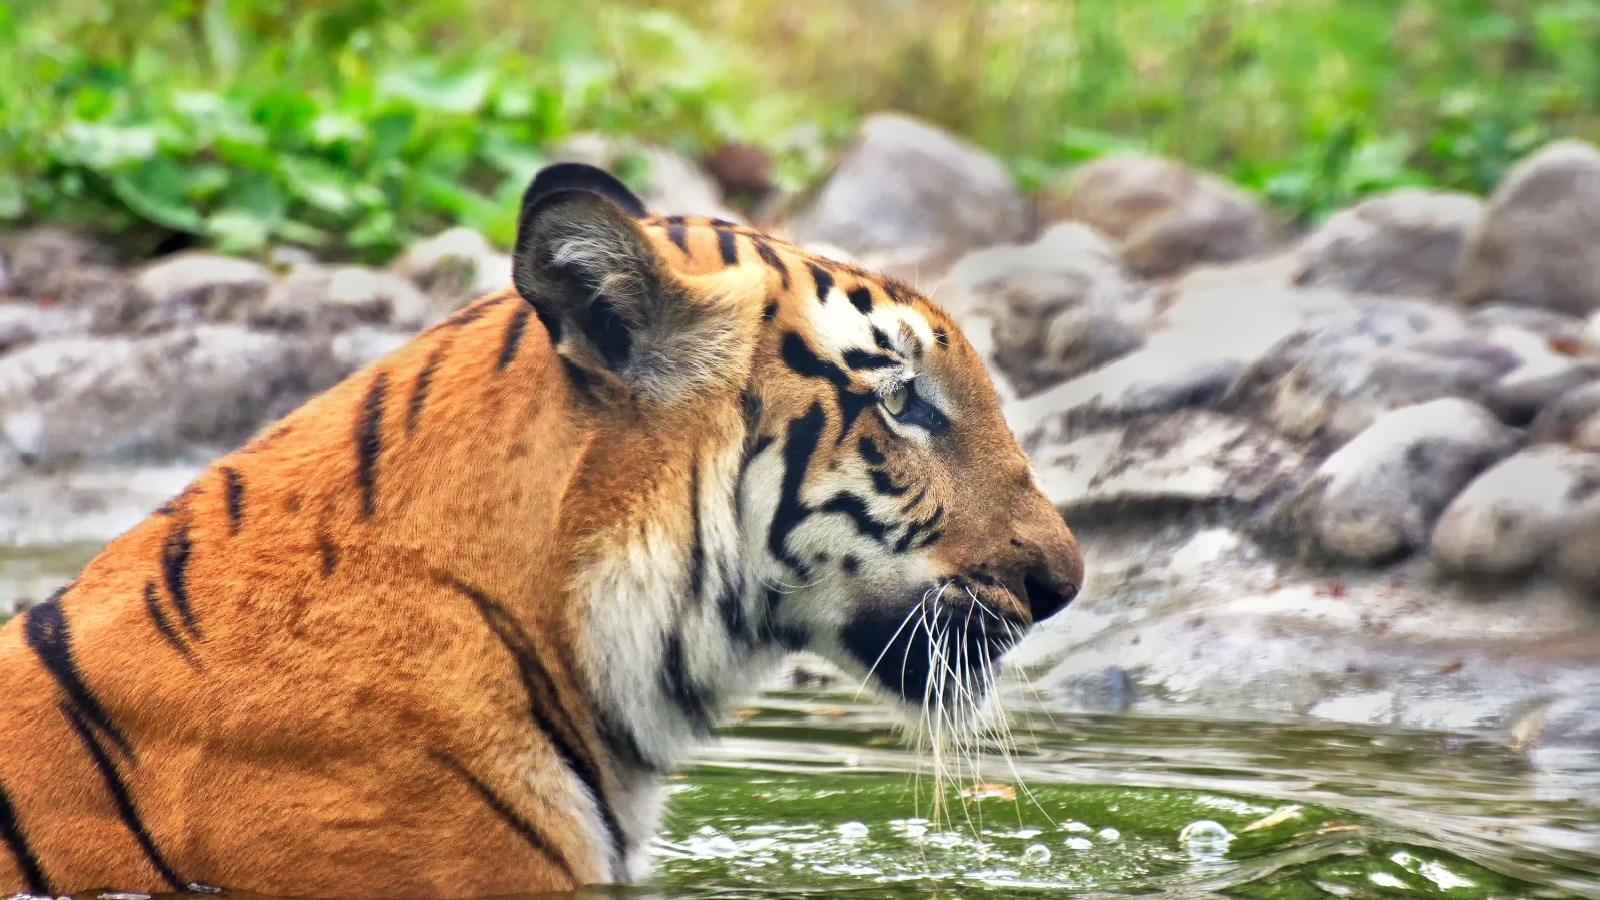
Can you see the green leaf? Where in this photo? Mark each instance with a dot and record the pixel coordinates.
(156, 192)
(12, 202)
(238, 231)
(425, 86)
(104, 147)
(318, 184)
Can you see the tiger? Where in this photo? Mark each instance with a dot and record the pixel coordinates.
(445, 629)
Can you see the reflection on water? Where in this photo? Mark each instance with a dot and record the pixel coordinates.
(814, 796)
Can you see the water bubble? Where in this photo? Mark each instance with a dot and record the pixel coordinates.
(721, 846)
(1109, 834)
(1204, 838)
(852, 830)
(1036, 854)
(1078, 843)
(1071, 827)
(1027, 833)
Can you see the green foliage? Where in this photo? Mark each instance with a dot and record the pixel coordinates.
(352, 126)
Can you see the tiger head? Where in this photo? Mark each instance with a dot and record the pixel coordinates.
(827, 466)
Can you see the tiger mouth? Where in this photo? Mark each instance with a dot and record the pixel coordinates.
(940, 653)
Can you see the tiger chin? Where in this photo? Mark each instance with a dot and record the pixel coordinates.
(441, 631)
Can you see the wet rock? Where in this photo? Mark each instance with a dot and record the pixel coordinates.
(669, 183)
(457, 264)
(1564, 417)
(1376, 499)
(1535, 244)
(24, 323)
(1044, 312)
(317, 299)
(189, 288)
(1166, 215)
(1578, 536)
(1405, 242)
(913, 198)
(1185, 459)
(39, 259)
(1508, 520)
(154, 397)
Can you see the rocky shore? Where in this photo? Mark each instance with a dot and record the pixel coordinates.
(1352, 474)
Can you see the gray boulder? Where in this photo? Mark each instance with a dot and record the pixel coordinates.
(1044, 312)
(1166, 215)
(911, 198)
(458, 264)
(1376, 499)
(1577, 560)
(1404, 242)
(318, 299)
(186, 289)
(1563, 418)
(24, 323)
(1535, 246)
(1541, 376)
(1188, 458)
(42, 258)
(1558, 329)
(159, 396)
(1508, 520)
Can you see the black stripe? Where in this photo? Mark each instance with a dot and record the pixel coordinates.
(940, 337)
(881, 339)
(800, 444)
(33, 879)
(524, 829)
(120, 796)
(369, 443)
(330, 554)
(912, 530)
(45, 630)
(721, 223)
(770, 311)
(674, 220)
(852, 506)
(158, 616)
(676, 234)
(697, 552)
(822, 279)
(870, 452)
(544, 703)
(419, 392)
(799, 356)
(175, 549)
(856, 358)
(625, 747)
(883, 484)
(508, 349)
(679, 685)
(861, 299)
(730, 607)
(727, 247)
(770, 257)
(233, 495)
(473, 313)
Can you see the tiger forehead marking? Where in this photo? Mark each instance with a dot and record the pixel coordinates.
(460, 614)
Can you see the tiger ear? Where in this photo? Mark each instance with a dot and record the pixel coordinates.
(612, 307)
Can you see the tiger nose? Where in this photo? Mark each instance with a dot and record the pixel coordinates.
(1049, 588)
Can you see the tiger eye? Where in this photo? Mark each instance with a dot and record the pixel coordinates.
(895, 401)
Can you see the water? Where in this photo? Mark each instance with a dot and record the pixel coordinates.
(818, 797)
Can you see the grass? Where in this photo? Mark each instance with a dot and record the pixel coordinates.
(351, 127)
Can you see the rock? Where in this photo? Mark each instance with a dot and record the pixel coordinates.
(1047, 311)
(743, 171)
(913, 198)
(1519, 396)
(1576, 540)
(1562, 418)
(359, 346)
(24, 323)
(1166, 215)
(1404, 242)
(1558, 330)
(41, 258)
(457, 264)
(1187, 458)
(1535, 246)
(1508, 520)
(154, 397)
(317, 299)
(189, 288)
(1376, 499)
(669, 183)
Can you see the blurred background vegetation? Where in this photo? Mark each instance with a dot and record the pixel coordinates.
(353, 126)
